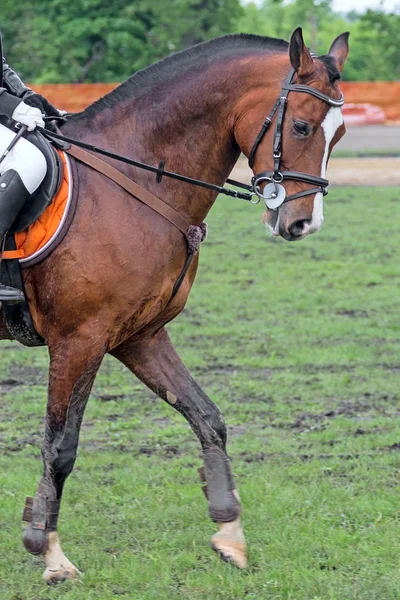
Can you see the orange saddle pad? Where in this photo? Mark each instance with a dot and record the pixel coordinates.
(31, 240)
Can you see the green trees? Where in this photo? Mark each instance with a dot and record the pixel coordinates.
(375, 53)
(374, 42)
(50, 41)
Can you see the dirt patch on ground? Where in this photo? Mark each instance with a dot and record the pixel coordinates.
(294, 457)
(346, 171)
(27, 375)
(357, 409)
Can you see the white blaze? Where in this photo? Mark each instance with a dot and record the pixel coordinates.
(330, 125)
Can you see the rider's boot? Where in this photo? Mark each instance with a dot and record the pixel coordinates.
(13, 195)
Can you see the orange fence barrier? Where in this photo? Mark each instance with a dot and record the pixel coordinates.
(75, 97)
(385, 94)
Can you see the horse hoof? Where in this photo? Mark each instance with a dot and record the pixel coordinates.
(230, 551)
(54, 576)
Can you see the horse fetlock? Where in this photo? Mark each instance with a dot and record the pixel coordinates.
(35, 540)
(224, 508)
(223, 503)
(42, 515)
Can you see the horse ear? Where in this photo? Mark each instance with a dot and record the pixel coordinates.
(300, 56)
(340, 49)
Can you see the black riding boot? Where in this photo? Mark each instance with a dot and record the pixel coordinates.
(13, 195)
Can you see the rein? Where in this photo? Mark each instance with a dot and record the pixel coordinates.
(160, 171)
(274, 194)
(194, 234)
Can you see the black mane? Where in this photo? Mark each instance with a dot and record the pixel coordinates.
(330, 64)
(186, 60)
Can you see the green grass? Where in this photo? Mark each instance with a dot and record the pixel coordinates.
(367, 153)
(299, 345)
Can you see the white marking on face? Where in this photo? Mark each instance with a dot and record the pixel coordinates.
(271, 222)
(275, 230)
(330, 125)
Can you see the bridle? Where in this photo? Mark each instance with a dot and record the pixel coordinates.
(274, 194)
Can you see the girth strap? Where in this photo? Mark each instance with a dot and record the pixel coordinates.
(131, 187)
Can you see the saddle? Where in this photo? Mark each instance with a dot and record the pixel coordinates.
(17, 317)
(43, 196)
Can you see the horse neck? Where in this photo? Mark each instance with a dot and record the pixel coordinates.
(188, 123)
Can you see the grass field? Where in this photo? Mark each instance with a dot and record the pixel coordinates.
(299, 346)
(367, 153)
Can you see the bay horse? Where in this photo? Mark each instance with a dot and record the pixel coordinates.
(107, 287)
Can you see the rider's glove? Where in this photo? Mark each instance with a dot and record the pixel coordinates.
(43, 104)
(27, 115)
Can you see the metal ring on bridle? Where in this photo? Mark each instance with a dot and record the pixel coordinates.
(256, 186)
(277, 177)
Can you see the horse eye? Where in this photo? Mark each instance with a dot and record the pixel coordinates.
(301, 127)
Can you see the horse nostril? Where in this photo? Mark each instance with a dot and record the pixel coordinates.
(298, 227)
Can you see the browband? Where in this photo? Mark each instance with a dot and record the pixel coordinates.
(298, 87)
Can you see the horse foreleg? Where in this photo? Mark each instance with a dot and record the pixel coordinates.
(73, 367)
(155, 361)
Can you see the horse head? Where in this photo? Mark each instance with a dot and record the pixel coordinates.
(289, 154)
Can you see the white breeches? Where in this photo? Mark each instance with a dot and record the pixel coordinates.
(24, 158)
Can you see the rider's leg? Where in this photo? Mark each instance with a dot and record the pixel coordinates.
(21, 173)
(24, 158)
